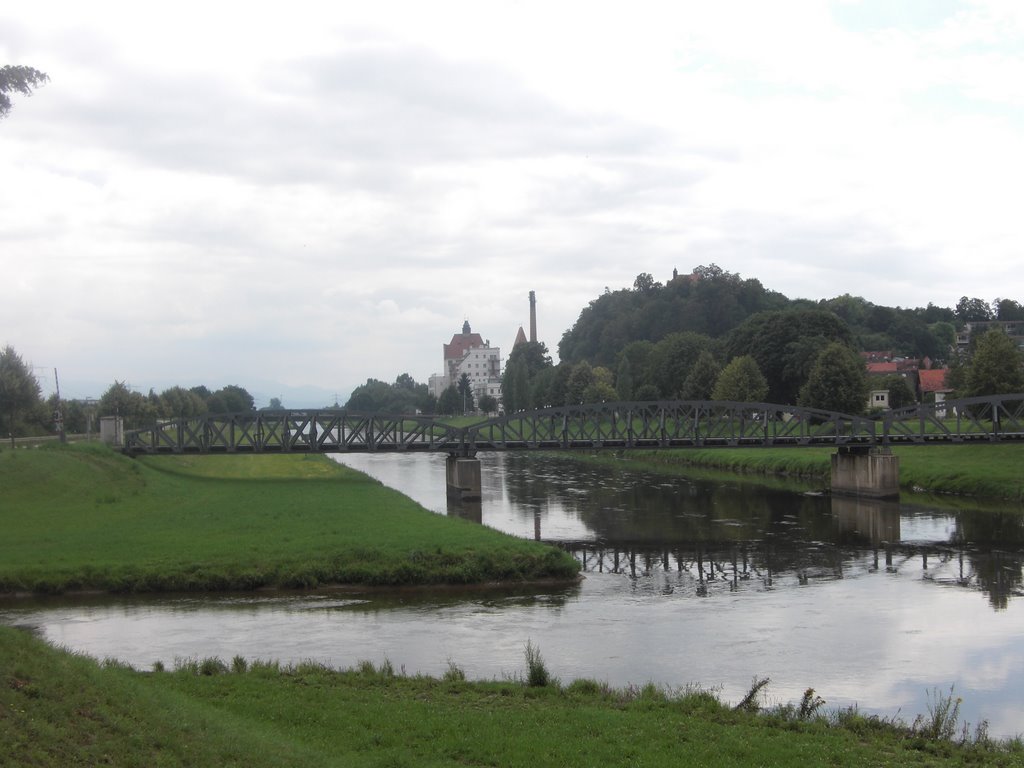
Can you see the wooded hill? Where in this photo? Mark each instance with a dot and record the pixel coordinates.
(714, 335)
(713, 302)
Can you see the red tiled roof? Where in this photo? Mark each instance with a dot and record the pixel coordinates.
(933, 380)
(883, 367)
(460, 344)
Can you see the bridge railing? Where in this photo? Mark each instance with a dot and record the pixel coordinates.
(670, 424)
(320, 431)
(992, 418)
(656, 424)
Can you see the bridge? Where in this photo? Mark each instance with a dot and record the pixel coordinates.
(862, 466)
(644, 425)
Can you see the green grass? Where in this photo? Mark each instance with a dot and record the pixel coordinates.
(981, 470)
(85, 517)
(60, 709)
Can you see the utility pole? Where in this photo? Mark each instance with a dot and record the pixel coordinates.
(58, 414)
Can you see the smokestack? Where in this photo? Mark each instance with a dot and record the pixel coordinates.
(533, 317)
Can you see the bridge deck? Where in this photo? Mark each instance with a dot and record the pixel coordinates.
(651, 425)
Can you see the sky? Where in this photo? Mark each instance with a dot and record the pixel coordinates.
(296, 198)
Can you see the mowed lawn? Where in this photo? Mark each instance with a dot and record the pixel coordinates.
(85, 517)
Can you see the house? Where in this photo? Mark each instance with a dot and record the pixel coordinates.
(468, 353)
(933, 382)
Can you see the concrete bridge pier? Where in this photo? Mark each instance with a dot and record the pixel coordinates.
(866, 471)
(463, 478)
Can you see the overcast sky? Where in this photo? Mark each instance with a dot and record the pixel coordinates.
(296, 197)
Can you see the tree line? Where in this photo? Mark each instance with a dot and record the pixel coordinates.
(712, 335)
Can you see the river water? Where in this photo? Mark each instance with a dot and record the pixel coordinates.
(687, 582)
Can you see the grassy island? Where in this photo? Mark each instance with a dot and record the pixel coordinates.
(84, 517)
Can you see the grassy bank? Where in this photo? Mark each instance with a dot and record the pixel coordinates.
(84, 517)
(983, 470)
(59, 709)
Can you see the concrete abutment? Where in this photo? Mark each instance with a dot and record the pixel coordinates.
(463, 478)
(866, 472)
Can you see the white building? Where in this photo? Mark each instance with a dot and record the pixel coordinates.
(468, 353)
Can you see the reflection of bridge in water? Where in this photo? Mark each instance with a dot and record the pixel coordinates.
(866, 540)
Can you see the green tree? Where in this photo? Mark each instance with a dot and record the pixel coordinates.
(781, 344)
(741, 381)
(19, 390)
(488, 404)
(135, 409)
(525, 363)
(837, 382)
(178, 402)
(275, 404)
(672, 359)
(600, 390)
(624, 380)
(18, 79)
(465, 388)
(450, 402)
(700, 381)
(996, 367)
(231, 399)
(582, 376)
(1008, 309)
(972, 310)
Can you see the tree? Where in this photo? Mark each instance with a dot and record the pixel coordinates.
(488, 404)
(700, 381)
(1008, 309)
(582, 376)
(600, 390)
(671, 360)
(780, 342)
(231, 399)
(741, 381)
(624, 380)
(466, 393)
(19, 389)
(275, 404)
(178, 402)
(837, 382)
(450, 402)
(972, 310)
(645, 283)
(996, 368)
(18, 79)
(119, 400)
(525, 363)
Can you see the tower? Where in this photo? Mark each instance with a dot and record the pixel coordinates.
(533, 317)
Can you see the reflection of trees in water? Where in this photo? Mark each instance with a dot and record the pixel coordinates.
(996, 540)
(701, 531)
(617, 504)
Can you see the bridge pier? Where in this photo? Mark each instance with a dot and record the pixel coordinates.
(865, 471)
(463, 477)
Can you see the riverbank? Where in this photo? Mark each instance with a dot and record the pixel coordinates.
(84, 517)
(991, 471)
(59, 709)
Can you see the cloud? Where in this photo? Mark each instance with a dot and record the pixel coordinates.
(328, 177)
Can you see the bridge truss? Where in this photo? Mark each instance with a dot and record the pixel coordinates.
(663, 424)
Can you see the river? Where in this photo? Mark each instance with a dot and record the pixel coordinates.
(687, 582)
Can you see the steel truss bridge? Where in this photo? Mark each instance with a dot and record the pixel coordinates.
(644, 425)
